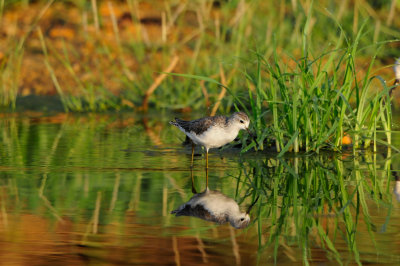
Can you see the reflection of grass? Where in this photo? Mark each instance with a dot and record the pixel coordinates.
(310, 203)
(63, 167)
(108, 181)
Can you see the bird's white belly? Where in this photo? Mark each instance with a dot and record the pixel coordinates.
(214, 137)
(216, 204)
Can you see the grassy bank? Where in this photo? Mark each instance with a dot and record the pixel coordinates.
(320, 99)
(316, 101)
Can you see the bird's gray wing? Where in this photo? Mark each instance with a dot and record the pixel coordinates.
(200, 212)
(196, 211)
(201, 125)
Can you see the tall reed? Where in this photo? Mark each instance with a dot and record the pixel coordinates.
(319, 101)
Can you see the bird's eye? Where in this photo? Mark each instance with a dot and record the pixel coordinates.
(241, 121)
(241, 219)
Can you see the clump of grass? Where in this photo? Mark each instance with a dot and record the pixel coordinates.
(91, 96)
(314, 202)
(9, 79)
(319, 101)
(10, 65)
(316, 100)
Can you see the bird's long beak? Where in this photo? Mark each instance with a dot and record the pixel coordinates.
(251, 135)
(396, 83)
(252, 205)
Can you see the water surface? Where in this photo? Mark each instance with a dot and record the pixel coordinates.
(99, 189)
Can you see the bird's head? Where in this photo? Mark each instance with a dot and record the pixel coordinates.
(241, 120)
(240, 222)
(243, 220)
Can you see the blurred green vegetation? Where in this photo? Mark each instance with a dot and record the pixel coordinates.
(99, 55)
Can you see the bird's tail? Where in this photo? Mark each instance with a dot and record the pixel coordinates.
(178, 212)
(174, 123)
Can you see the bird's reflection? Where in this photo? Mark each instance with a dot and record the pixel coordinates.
(214, 206)
(396, 188)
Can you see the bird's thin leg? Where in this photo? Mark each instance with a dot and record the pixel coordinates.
(206, 178)
(191, 163)
(206, 158)
(206, 168)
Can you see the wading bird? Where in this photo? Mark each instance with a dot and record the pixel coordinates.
(213, 131)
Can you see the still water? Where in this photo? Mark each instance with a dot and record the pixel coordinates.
(99, 190)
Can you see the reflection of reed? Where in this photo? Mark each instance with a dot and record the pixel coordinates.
(133, 203)
(176, 251)
(235, 246)
(154, 137)
(96, 213)
(92, 226)
(47, 163)
(164, 200)
(201, 248)
(3, 212)
(46, 201)
(312, 200)
(115, 191)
